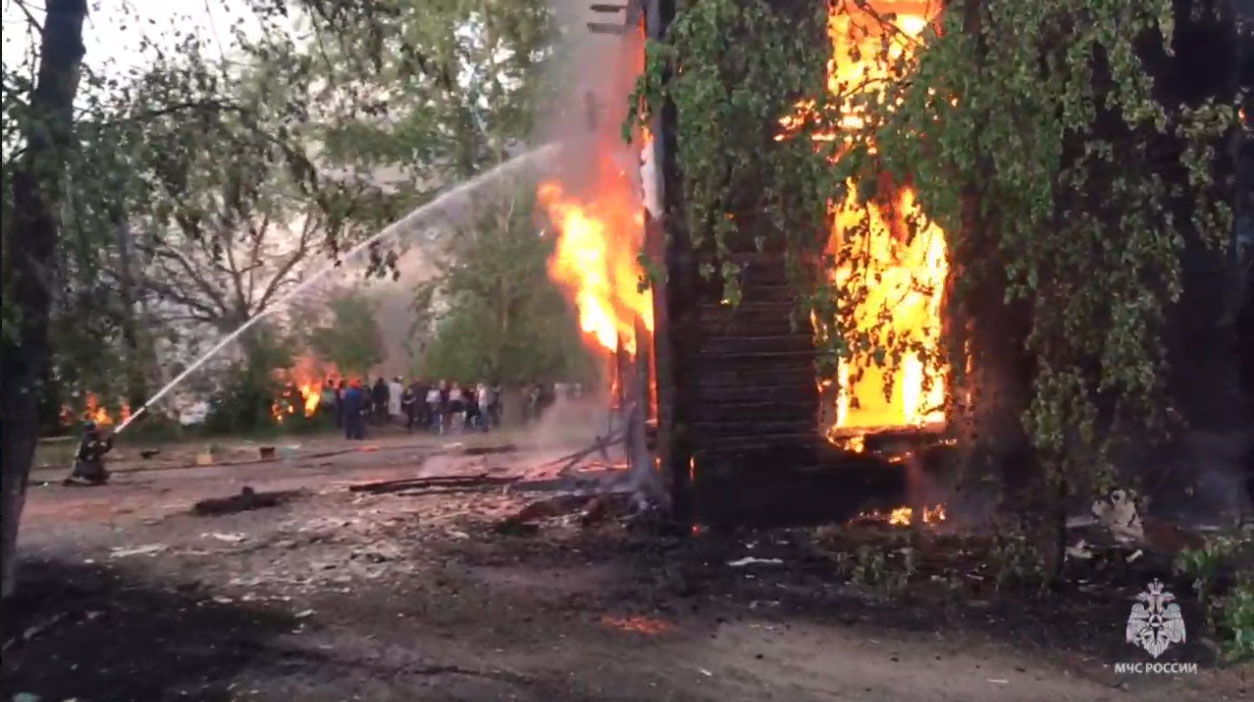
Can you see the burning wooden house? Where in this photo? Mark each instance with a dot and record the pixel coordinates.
(747, 432)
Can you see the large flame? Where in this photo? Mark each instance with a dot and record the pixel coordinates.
(595, 260)
(904, 278)
(598, 212)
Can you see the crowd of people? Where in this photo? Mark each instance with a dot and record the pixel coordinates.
(441, 407)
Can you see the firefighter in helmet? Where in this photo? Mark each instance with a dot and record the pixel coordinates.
(89, 462)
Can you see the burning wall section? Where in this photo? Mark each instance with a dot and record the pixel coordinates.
(739, 398)
(888, 258)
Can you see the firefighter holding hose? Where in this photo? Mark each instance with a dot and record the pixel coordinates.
(89, 462)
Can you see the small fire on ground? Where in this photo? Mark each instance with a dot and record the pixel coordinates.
(638, 624)
(905, 516)
(302, 389)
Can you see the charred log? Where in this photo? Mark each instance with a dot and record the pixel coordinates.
(248, 499)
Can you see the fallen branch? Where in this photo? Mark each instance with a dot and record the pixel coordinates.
(485, 450)
(431, 481)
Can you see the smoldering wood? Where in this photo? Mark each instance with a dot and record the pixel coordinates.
(761, 488)
(592, 508)
(635, 383)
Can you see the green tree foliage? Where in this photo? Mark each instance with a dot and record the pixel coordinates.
(506, 321)
(353, 341)
(194, 148)
(242, 404)
(1033, 137)
(444, 86)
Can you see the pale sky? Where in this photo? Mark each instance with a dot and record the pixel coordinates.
(115, 28)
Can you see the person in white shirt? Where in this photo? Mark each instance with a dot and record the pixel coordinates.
(395, 390)
(433, 406)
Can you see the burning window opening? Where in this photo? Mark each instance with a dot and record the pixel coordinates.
(900, 285)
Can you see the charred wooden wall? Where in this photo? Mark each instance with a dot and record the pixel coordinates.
(738, 400)
(738, 403)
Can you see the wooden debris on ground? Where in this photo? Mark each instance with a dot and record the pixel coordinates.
(433, 483)
(486, 450)
(592, 509)
(247, 499)
(601, 445)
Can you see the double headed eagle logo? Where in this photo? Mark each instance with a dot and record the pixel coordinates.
(1155, 622)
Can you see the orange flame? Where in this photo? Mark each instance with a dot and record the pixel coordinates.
(638, 624)
(304, 394)
(94, 411)
(595, 258)
(904, 516)
(905, 275)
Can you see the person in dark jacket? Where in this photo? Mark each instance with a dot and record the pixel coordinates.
(422, 410)
(355, 406)
(89, 462)
(381, 401)
(445, 412)
(474, 415)
(339, 404)
(409, 405)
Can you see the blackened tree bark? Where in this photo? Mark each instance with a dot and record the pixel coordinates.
(28, 264)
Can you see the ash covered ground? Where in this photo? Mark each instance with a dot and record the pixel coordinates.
(420, 594)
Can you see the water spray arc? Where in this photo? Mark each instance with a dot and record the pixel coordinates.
(447, 204)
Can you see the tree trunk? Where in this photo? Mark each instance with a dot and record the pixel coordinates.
(987, 353)
(28, 264)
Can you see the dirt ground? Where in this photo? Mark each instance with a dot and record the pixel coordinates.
(339, 595)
